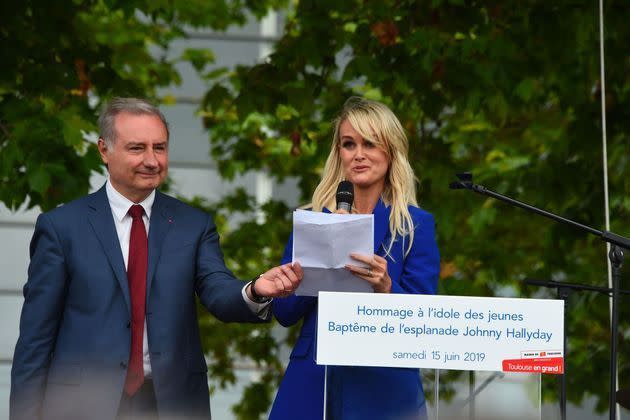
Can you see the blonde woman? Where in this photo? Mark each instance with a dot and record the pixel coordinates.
(370, 150)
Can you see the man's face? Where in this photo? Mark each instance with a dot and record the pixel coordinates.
(138, 160)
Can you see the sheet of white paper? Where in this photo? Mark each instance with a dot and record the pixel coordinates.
(323, 242)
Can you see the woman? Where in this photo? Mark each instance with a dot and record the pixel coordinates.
(370, 150)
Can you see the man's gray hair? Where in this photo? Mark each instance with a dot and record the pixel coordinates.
(136, 106)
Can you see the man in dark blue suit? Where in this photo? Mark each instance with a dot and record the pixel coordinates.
(109, 327)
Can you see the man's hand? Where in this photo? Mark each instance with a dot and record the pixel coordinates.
(279, 281)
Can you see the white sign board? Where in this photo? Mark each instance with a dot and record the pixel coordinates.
(440, 332)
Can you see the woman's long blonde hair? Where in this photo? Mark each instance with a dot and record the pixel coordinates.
(378, 124)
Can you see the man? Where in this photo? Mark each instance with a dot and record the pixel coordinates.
(109, 327)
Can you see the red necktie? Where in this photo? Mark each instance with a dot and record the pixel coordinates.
(137, 278)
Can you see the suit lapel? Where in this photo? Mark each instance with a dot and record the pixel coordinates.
(381, 224)
(161, 221)
(102, 221)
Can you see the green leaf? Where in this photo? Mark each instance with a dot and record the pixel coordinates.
(74, 130)
(476, 126)
(285, 112)
(198, 57)
(525, 89)
(216, 73)
(350, 27)
(38, 179)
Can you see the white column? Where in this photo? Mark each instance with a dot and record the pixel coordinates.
(264, 185)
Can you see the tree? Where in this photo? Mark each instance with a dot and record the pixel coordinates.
(61, 61)
(510, 90)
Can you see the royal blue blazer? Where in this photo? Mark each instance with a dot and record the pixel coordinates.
(71, 356)
(359, 392)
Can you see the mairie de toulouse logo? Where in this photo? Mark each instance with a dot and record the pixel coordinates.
(541, 353)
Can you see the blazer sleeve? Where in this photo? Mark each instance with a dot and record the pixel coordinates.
(289, 310)
(421, 267)
(44, 296)
(218, 290)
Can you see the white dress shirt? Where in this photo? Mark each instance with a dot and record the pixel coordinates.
(120, 207)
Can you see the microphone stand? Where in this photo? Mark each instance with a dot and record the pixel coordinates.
(617, 242)
(563, 291)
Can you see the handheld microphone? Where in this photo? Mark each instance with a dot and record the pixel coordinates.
(345, 196)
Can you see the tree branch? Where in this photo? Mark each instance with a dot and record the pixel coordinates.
(4, 129)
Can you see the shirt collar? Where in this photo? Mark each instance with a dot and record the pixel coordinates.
(120, 204)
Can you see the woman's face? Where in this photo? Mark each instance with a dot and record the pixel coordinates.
(364, 164)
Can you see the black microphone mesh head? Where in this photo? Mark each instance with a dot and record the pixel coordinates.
(345, 193)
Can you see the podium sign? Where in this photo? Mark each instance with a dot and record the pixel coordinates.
(440, 332)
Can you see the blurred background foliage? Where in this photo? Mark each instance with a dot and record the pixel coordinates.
(510, 90)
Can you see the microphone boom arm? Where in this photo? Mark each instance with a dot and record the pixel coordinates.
(465, 182)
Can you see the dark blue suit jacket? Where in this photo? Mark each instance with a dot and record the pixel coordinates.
(71, 357)
(359, 392)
